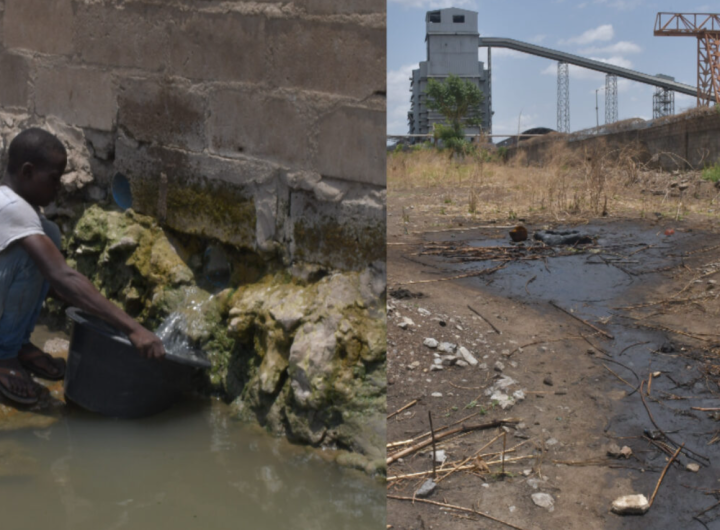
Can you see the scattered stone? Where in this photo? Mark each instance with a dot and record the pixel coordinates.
(467, 356)
(436, 394)
(561, 391)
(447, 347)
(413, 365)
(448, 360)
(548, 380)
(405, 323)
(544, 500)
(631, 505)
(499, 367)
(616, 452)
(430, 343)
(503, 400)
(483, 366)
(694, 468)
(461, 363)
(426, 489)
(440, 456)
(436, 367)
(424, 312)
(551, 442)
(512, 509)
(519, 395)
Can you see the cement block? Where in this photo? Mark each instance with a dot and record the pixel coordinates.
(227, 47)
(206, 196)
(79, 96)
(14, 78)
(329, 57)
(135, 36)
(341, 7)
(39, 25)
(259, 125)
(352, 145)
(162, 113)
(348, 235)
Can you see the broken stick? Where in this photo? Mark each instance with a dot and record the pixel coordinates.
(496, 330)
(662, 476)
(463, 428)
(459, 508)
(605, 333)
(398, 411)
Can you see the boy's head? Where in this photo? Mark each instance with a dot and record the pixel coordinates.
(36, 161)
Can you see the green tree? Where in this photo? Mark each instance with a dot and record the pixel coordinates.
(458, 100)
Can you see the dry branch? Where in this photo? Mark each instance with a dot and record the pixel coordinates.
(598, 330)
(462, 429)
(453, 507)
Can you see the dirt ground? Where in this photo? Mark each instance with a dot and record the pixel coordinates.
(570, 391)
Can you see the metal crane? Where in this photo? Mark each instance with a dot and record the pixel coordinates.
(706, 27)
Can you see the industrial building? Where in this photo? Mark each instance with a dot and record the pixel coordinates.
(452, 48)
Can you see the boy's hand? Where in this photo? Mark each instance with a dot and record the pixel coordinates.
(149, 344)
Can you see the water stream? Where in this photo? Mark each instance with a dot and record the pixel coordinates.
(191, 467)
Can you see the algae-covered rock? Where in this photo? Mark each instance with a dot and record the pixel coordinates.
(322, 376)
(131, 261)
(303, 355)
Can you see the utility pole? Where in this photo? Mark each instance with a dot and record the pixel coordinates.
(597, 115)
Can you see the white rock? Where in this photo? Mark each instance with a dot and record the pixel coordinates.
(527, 472)
(447, 347)
(448, 360)
(544, 500)
(467, 356)
(461, 363)
(405, 323)
(440, 456)
(426, 489)
(503, 400)
(551, 441)
(518, 395)
(413, 365)
(436, 394)
(436, 367)
(430, 343)
(693, 467)
(483, 366)
(631, 505)
(423, 311)
(499, 367)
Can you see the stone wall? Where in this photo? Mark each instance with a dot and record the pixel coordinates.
(266, 118)
(676, 142)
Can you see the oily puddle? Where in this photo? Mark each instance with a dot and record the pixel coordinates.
(190, 467)
(628, 263)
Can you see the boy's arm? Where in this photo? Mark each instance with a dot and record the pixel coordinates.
(77, 290)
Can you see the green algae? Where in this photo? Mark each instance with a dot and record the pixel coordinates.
(304, 356)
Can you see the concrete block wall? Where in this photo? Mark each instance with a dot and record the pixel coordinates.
(274, 106)
(680, 142)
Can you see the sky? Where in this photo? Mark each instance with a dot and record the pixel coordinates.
(524, 86)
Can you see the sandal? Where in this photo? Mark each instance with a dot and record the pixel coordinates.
(28, 360)
(11, 393)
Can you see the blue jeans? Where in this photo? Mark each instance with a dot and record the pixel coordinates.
(22, 292)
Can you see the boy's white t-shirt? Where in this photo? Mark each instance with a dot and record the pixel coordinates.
(17, 218)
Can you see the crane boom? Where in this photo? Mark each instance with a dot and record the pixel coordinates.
(706, 28)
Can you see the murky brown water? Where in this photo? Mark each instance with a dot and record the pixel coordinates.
(192, 467)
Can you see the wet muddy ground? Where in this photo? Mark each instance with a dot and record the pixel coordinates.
(189, 467)
(577, 386)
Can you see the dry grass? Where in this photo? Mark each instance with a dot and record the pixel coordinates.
(570, 184)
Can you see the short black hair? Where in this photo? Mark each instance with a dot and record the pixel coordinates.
(33, 145)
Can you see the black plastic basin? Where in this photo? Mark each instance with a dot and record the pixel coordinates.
(106, 374)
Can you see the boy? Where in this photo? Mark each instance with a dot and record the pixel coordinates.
(31, 264)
